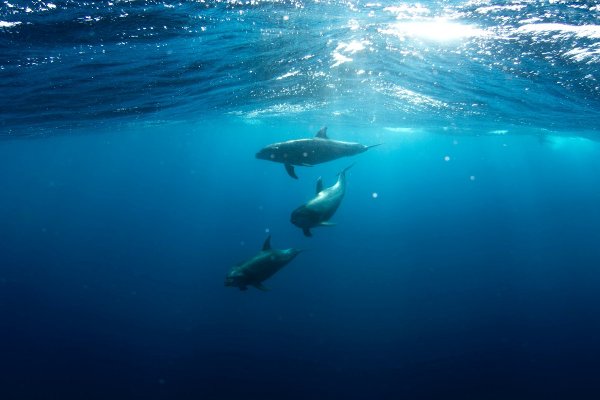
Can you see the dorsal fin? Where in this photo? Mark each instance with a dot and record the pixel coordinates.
(319, 185)
(322, 133)
(267, 243)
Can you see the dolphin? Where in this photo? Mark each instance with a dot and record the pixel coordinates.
(259, 268)
(308, 152)
(319, 209)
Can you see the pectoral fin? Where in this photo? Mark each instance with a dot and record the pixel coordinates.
(306, 232)
(290, 170)
(262, 287)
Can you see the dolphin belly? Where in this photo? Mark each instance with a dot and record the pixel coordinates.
(325, 204)
(262, 267)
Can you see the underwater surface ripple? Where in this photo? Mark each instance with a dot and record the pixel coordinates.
(69, 64)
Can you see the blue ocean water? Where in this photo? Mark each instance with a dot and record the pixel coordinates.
(464, 263)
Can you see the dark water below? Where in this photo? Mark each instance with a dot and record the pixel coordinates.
(468, 278)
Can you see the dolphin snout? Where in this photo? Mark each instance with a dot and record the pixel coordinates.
(295, 252)
(264, 154)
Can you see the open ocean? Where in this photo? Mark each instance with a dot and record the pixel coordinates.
(465, 259)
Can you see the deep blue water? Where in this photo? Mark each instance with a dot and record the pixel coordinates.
(465, 260)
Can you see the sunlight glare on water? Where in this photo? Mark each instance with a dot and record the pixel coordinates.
(415, 64)
(436, 29)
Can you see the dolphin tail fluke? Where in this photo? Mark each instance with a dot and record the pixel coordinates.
(289, 168)
(307, 232)
(343, 172)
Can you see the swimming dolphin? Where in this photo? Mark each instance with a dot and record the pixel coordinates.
(322, 207)
(260, 267)
(308, 152)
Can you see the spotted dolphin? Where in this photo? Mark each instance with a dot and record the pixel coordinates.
(320, 208)
(308, 152)
(259, 268)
